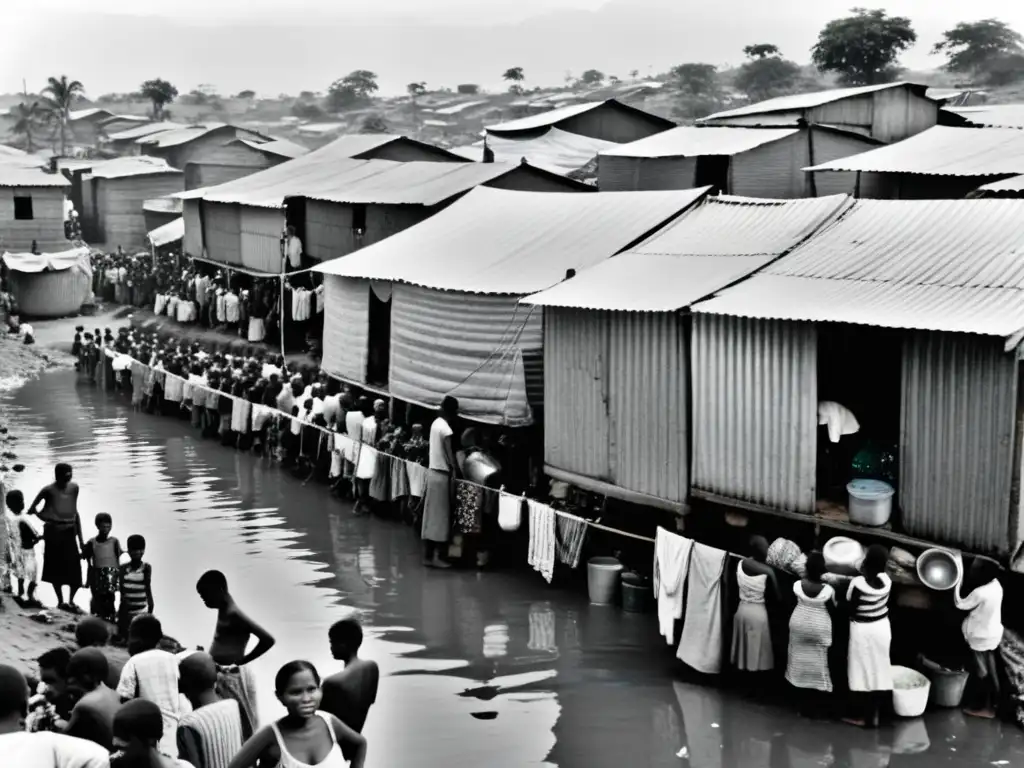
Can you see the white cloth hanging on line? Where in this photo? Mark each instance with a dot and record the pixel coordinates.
(671, 563)
(542, 539)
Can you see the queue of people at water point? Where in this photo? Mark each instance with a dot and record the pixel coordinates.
(160, 708)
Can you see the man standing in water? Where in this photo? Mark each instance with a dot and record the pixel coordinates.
(62, 536)
(349, 694)
(437, 501)
(230, 641)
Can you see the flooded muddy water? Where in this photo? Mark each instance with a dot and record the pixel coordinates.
(494, 669)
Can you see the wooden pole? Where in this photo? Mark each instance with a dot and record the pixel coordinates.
(280, 314)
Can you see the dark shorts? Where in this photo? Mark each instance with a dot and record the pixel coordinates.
(62, 560)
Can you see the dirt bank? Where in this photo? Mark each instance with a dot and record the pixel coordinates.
(20, 362)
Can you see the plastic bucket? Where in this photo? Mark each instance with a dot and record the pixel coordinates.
(909, 692)
(636, 593)
(947, 686)
(870, 502)
(603, 579)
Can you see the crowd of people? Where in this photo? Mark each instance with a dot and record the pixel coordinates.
(159, 708)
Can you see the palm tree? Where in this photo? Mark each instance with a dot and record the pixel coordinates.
(27, 118)
(60, 95)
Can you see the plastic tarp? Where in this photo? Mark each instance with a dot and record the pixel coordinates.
(346, 327)
(171, 232)
(48, 262)
(467, 345)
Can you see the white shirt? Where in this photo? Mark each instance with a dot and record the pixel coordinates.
(153, 675)
(46, 749)
(293, 250)
(983, 627)
(839, 418)
(439, 430)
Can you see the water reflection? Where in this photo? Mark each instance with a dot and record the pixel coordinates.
(488, 669)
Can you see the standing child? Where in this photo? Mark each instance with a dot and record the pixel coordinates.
(103, 553)
(135, 585)
(22, 539)
(983, 631)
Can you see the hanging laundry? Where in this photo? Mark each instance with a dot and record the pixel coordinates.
(319, 299)
(701, 644)
(542, 539)
(671, 564)
(260, 416)
(572, 531)
(417, 478)
(240, 412)
(510, 511)
(839, 418)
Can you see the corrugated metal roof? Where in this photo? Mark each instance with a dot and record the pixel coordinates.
(498, 241)
(131, 134)
(122, 167)
(81, 114)
(163, 205)
(942, 151)
(178, 136)
(324, 175)
(694, 141)
(354, 144)
(993, 116)
(15, 175)
(802, 101)
(170, 232)
(545, 119)
(556, 150)
(708, 248)
(279, 147)
(1010, 187)
(943, 265)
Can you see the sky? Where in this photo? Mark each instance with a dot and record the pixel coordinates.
(284, 46)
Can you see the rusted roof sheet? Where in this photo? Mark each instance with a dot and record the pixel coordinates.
(694, 141)
(503, 242)
(708, 248)
(943, 265)
(942, 151)
(801, 101)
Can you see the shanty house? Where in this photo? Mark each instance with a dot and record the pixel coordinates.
(113, 194)
(909, 315)
(756, 162)
(87, 125)
(887, 112)
(194, 143)
(568, 138)
(238, 158)
(382, 146)
(617, 343)
(125, 141)
(434, 310)
(942, 162)
(337, 204)
(31, 209)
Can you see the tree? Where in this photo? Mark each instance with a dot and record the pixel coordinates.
(1005, 69)
(975, 47)
(159, 93)
(634, 74)
(353, 90)
(863, 49)
(515, 76)
(766, 74)
(246, 94)
(59, 96)
(28, 119)
(374, 124)
(592, 77)
(761, 51)
(699, 89)
(415, 90)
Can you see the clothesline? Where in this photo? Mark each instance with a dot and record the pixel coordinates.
(331, 433)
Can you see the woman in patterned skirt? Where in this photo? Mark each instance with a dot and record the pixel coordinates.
(810, 630)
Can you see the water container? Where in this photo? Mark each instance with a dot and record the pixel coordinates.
(603, 579)
(947, 684)
(909, 691)
(636, 593)
(870, 502)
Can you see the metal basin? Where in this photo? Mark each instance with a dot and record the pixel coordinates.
(939, 569)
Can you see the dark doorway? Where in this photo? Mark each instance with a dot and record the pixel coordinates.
(295, 216)
(378, 358)
(712, 171)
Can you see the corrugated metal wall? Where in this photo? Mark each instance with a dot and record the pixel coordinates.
(771, 170)
(208, 175)
(52, 294)
(464, 344)
(755, 410)
(615, 398)
(329, 232)
(120, 204)
(833, 146)
(956, 446)
(193, 228)
(261, 230)
(576, 421)
(898, 114)
(346, 327)
(633, 174)
(223, 236)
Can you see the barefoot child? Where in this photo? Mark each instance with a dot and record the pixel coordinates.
(103, 554)
(22, 540)
(983, 631)
(349, 694)
(136, 588)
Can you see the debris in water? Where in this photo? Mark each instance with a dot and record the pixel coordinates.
(490, 715)
(683, 753)
(714, 725)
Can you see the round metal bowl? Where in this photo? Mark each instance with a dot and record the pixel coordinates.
(939, 569)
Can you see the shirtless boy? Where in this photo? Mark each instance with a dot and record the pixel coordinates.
(349, 694)
(230, 643)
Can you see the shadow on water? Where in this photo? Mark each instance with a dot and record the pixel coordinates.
(488, 669)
